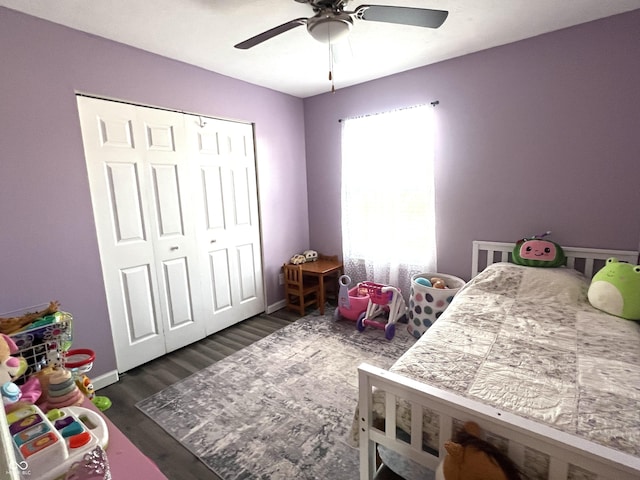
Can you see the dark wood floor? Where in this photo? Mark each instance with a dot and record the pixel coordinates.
(176, 462)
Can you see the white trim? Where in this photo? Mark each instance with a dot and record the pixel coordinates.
(274, 307)
(105, 379)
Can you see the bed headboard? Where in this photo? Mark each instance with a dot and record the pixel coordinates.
(585, 260)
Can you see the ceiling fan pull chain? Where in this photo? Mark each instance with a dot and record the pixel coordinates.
(333, 87)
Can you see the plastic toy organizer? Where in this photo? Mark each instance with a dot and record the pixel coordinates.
(48, 446)
(43, 343)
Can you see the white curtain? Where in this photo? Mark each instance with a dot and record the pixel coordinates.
(388, 211)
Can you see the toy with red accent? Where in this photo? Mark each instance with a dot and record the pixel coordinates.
(386, 306)
(79, 362)
(48, 446)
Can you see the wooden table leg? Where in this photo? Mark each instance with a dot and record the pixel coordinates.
(321, 295)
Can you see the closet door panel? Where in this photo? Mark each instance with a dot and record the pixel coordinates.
(248, 281)
(213, 199)
(220, 280)
(175, 244)
(139, 303)
(178, 292)
(118, 182)
(228, 220)
(168, 206)
(241, 197)
(125, 207)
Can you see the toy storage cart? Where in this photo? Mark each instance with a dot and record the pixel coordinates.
(426, 304)
(386, 306)
(352, 303)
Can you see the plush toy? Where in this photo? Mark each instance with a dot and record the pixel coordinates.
(615, 289)
(11, 325)
(538, 252)
(10, 369)
(298, 259)
(310, 255)
(471, 458)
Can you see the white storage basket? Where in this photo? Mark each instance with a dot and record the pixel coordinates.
(426, 304)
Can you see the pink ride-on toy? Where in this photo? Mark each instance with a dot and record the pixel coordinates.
(384, 301)
(352, 303)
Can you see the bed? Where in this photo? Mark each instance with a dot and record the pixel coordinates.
(553, 383)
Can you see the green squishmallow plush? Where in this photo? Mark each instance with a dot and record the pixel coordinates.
(538, 252)
(615, 289)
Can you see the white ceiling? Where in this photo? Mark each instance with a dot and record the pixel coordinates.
(203, 33)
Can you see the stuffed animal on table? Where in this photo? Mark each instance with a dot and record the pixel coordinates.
(615, 289)
(310, 255)
(297, 259)
(471, 458)
(538, 252)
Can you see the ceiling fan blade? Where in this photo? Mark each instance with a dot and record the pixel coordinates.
(261, 37)
(419, 17)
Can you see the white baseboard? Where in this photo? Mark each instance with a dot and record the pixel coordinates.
(104, 380)
(274, 307)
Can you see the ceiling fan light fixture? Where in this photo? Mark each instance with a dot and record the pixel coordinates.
(330, 29)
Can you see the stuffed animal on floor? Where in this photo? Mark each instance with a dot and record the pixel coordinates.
(615, 289)
(471, 458)
(538, 252)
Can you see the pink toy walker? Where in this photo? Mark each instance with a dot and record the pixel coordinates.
(384, 301)
(352, 303)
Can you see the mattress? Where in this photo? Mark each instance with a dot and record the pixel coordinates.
(526, 340)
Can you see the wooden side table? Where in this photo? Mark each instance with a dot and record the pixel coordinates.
(325, 266)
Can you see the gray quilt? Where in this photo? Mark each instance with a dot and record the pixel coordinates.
(526, 340)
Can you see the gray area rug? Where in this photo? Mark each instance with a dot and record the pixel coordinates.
(281, 408)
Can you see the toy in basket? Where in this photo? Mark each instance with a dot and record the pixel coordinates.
(352, 303)
(385, 302)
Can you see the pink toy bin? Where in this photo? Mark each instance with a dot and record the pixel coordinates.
(356, 305)
(426, 304)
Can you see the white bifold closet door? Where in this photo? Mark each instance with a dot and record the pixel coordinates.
(176, 210)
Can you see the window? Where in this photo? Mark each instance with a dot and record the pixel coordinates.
(388, 211)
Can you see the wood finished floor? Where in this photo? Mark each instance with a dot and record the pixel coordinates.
(175, 461)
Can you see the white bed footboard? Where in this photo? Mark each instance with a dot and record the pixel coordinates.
(565, 452)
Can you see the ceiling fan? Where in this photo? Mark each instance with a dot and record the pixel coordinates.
(331, 23)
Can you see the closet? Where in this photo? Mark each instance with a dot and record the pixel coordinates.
(175, 203)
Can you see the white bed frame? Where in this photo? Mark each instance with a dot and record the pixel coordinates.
(563, 449)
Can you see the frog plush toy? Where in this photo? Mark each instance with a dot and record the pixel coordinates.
(615, 289)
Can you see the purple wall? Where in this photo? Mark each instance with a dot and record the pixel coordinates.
(537, 135)
(47, 234)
